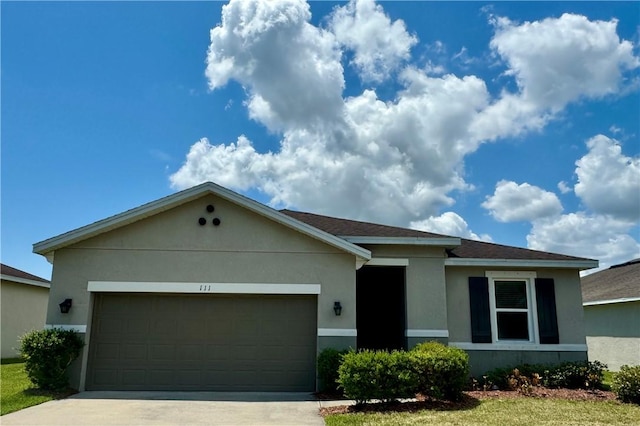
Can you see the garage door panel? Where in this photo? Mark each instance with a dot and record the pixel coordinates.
(203, 342)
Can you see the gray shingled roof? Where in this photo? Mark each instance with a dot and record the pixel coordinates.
(618, 282)
(17, 273)
(468, 249)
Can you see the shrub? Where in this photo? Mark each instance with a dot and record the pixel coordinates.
(442, 371)
(626, 384)
(329, 361)
(47, 354)
(381, 375)
(502, 377)
(576, 375)
(569, 375)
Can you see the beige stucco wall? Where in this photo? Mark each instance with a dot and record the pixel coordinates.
(613, 333)
(24, 308)
(173, 247)
(568, 301)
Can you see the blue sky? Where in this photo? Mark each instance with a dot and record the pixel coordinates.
(512, 122)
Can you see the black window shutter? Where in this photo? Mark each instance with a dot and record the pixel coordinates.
(480, 312)
(547, 317)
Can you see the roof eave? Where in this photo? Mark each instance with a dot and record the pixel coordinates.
(581, 265)
(446, 242)
(25, 281)
(612, 301)
(47, 247)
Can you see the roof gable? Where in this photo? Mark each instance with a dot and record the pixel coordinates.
(48, 247)
(618, 283)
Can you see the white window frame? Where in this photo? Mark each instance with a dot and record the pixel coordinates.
(529, 278)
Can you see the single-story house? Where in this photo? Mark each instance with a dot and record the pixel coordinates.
(206, 289)
(611, 300)
(24, 299)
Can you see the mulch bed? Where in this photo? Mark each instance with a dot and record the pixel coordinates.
(469, 400)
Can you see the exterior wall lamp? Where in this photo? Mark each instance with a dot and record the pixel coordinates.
(337, 308)
(65, 306)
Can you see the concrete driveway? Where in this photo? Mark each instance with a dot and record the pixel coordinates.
(172, 408)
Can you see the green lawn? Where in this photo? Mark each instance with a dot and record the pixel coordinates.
(16, 391)
(519, 411)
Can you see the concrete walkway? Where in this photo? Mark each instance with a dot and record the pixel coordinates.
(172, 408)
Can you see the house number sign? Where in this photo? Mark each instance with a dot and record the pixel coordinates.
(205, 287)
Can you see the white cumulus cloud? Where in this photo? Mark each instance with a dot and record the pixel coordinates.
(592, 236)
(558, 60)
(512, 202)
(379, 45)
(392, 161)
(609, 181)
(448, 223)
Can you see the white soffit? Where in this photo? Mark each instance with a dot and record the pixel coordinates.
(201, 288)
(130, 216)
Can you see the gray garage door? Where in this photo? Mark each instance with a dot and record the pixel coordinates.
(202, 342)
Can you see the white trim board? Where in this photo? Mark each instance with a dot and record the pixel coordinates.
(78, 328)
(611, 301)
(449, 242)
(467, 346)
(387, 261)
(522, 263)
(337, 332)
(426, 333)
(205, 288)
(27, 281)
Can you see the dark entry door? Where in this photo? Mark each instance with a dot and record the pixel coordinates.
(380, 307)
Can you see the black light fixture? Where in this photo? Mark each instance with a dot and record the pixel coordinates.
(202, 221)
(216, 221)
(65, 306)
(337, 308)
(210, 208)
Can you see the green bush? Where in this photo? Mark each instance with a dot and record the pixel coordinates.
(569, 375)
(575, 375)
(500, 377)
(47, 354)
(368, 375)
(442, 371)
(626, 384)
(329, 361)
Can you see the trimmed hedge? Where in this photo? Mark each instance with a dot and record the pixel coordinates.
(47, 354)
(329, 361)
(442, 370)
(432, 369)
(626, 384)
(381, 375)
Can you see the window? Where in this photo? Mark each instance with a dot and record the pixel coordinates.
(513, 307)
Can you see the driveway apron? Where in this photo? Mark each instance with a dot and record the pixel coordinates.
(173, 408)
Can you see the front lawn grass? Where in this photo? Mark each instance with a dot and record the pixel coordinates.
(17, 391)
(518, 411)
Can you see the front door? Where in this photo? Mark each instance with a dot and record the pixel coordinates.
(380, 307)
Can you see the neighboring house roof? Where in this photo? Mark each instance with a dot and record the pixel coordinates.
(465, 252)
(619, 283)
(9, 273)
(48, 247)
